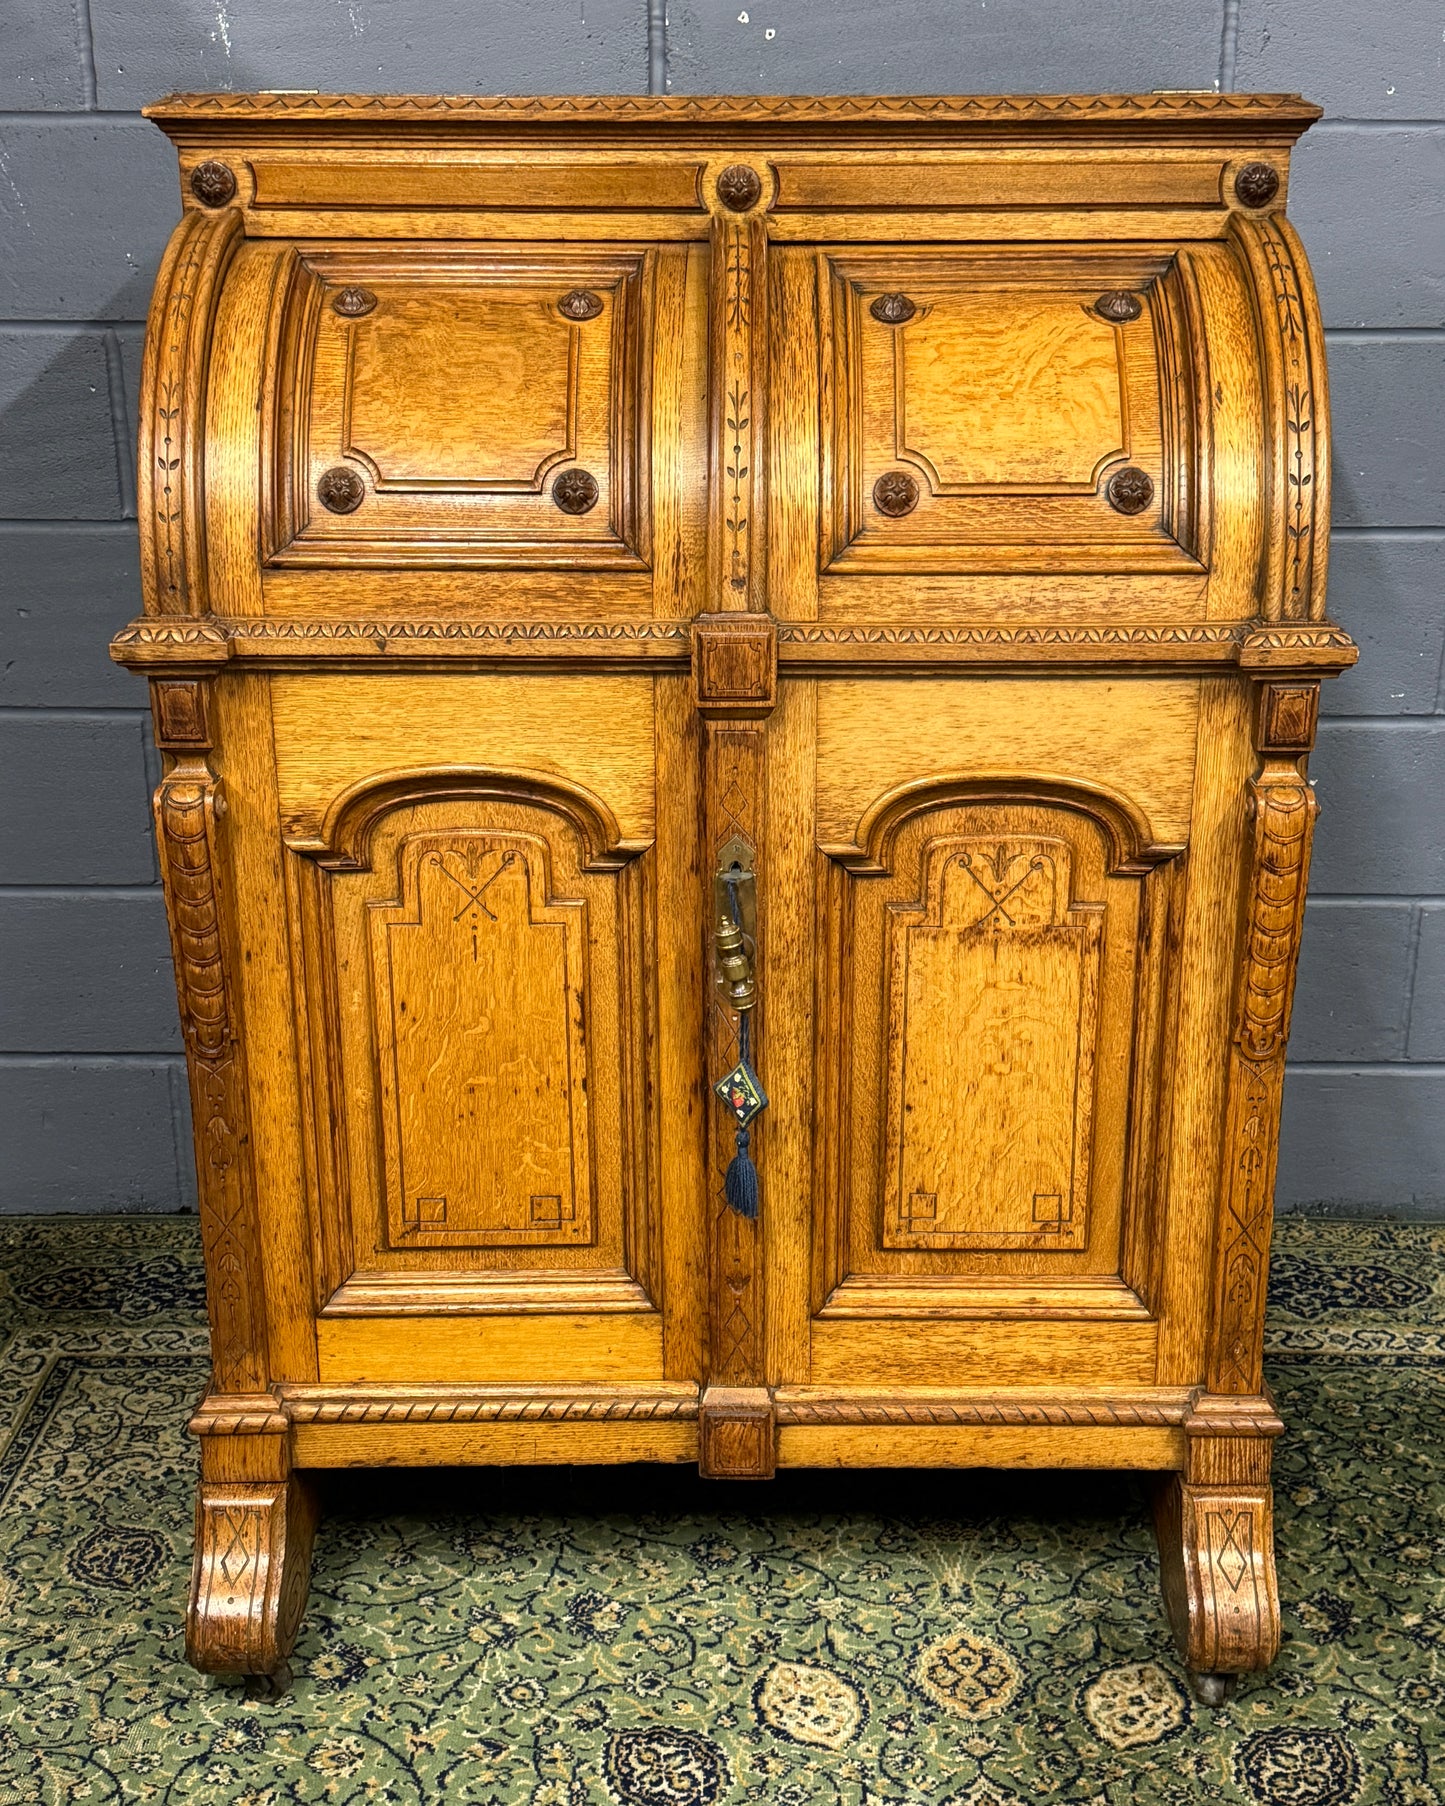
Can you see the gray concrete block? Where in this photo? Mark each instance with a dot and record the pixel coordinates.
(44, 55)
(1354, 975)
(1355, 1142)
(1389, 465)
(1380, 787)
(74, 808)
(1358, 61)
(1387, 593)
(89, 1135)
(939, 46)
(144, 50)
(86, 972)
(86, 206)
(57, 448)
(64, 590)
(1427, 1006)
(1367, 204)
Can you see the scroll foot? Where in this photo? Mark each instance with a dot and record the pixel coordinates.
(1216, 1552)
(250, 1579)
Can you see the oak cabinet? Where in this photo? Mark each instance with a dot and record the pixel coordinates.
(735, 679)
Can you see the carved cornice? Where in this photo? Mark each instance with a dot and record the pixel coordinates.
(1286, 110)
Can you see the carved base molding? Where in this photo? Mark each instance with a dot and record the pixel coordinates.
(251, 1575)
(1150, 1410)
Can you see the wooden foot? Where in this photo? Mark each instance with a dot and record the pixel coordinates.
(1216, 1552)
(737, 1434)
(251, 1576)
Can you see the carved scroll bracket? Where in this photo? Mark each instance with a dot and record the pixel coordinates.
(1282, 812)
(188, 806)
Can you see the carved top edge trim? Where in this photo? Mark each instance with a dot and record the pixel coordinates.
(1183, 108)
(183, 640)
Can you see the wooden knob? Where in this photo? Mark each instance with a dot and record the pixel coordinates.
(1130, 490)
(212, 183)
(580, 304)
(893, 310)
(575, 491)
(340, 490)
(1118, 305)
(351, 303)
(895, 493)
(1257, 184)
(739, 187)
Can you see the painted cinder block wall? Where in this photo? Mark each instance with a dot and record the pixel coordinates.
(92, 1104)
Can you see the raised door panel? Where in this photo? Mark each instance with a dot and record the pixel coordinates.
(481, 977)
(997, 983)
(468, 406)
(1009, 412)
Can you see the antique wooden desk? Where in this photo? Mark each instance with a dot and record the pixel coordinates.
(636, 583)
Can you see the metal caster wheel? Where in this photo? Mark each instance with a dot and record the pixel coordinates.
(1212, 1689)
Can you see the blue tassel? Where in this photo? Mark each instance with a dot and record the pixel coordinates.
(740, 1184)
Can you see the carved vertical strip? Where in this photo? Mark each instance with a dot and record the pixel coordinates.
(738, 413)
(187, 804)
(170, 492)
(1282, 807)
(735, 679)
(1296, 407)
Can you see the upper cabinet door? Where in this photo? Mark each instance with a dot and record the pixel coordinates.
(1007, 412)
(464, 406)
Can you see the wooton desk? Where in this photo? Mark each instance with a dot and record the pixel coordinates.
(826, 592)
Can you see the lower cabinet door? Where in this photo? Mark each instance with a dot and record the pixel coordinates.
(996, 873)
(475, 877)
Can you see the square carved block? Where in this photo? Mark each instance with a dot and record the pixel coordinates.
(735, 665)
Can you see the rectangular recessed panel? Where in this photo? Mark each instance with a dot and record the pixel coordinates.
(481, 995)
(991, 1024)
(455, 406)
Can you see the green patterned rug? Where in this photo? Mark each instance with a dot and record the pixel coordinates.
(634, 1638)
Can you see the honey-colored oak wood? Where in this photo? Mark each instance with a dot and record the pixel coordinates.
(916, 509)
